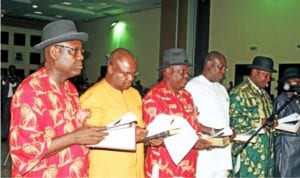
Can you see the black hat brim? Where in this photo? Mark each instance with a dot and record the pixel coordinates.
(81, 36)
(165, 66)
(284, 78)
(251, 66)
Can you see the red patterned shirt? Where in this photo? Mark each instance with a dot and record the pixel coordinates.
(40, 111)
(158, 100)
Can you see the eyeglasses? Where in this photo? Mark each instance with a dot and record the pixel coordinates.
(71, 50)
(219, 66)
(181, 71)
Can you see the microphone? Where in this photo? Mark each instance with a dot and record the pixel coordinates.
(294, 88)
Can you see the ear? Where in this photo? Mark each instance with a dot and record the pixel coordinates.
(110, 70)
(253, 72)
(53, 52)
(210, 62)
(168, 70)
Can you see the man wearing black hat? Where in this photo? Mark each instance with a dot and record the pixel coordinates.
(250, 106)
(170, 97)
(287, 152)
(47, 132)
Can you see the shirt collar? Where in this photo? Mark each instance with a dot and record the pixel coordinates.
(204, 79)
(253, 84)
(169, 90)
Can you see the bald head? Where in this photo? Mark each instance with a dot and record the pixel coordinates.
(215, 66)
(120, 55)
(121, 69)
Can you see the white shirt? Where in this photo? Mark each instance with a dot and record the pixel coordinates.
(212, 101)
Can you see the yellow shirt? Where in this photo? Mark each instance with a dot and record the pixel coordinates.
(107, 104)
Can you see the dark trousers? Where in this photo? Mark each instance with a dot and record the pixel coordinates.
(5, 120)
(287, 153)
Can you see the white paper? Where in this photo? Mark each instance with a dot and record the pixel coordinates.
(289, 127)
(127, 118)
(180, 144)
(262, 131)
(290, 118)
(284, 123)
(245, 136)
(161, 123)
(223, 132)
(121, 134)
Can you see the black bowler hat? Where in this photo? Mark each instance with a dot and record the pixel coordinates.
(293, 72)
(174, 56)
(262, 63)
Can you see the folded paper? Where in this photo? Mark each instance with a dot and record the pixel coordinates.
(290, 123)
(121, 134)
(179, 144)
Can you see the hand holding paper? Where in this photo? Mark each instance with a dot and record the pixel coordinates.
(163, 134)
(220, 138)
(243, 137)
(121, 134)
(140, 135)
(179, 144)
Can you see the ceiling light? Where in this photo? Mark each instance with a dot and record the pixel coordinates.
(114, 23)
(37, 12)
(66, 3)
(59, 16)
(90, 7)
(72, 9)
(23, 1)
(37, 16)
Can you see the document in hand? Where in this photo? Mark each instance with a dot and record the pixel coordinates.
(290, 123)
(219, 139)
(245, 136)
(121, 134)
(179, 144)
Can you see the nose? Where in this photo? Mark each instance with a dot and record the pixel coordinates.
(223, 71)
(186, 74)
(268, 79)
(79, 56)
(130, 77)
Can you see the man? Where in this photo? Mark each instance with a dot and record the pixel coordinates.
(47, 133)
(212, 101)
(170, 97)
(250, 106)
(8, 87)
(287, 149)
(110, 99)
